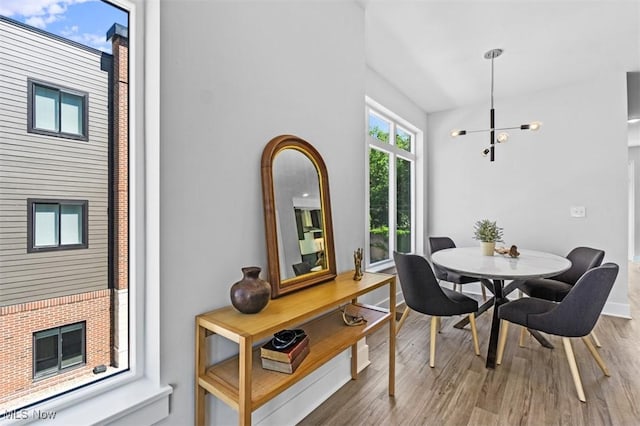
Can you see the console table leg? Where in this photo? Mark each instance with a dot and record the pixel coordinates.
(245, 365)
(201, 363)
(354, 361)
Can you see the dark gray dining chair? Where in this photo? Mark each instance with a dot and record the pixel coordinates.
(301, 268)
(441, 243)
(556, 288)
(423, 294)
(574, 316)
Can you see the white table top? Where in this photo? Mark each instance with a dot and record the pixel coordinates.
(469, 261)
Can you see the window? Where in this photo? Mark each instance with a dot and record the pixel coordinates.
(132, 390)
(57, 349)
(391, 183)
(56, 224)
(57, 111)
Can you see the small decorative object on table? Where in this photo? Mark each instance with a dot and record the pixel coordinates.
(357, 260)
(251, 294)
(350, 317)
(285, 351)
(512, 252)
(488, 233)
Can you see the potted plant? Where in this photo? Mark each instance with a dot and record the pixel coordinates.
(487, 232)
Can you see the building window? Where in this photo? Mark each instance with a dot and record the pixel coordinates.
(57, 111)
(391, 185)
(56, 224)
(58, 348)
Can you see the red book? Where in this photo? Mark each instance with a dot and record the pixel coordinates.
(287, 354)
(286, 367)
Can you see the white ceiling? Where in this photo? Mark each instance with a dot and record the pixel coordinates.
(433, 50)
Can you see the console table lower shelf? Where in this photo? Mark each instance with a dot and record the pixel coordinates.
(244, 385)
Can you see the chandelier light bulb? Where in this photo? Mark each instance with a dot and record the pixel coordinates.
(502, 137)
(485, 152)
(535, 126)
(456, 132)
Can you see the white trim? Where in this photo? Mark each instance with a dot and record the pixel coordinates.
(615, 309)
(136, 396)
(417, 187)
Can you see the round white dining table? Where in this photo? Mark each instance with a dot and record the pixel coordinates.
(469, 261)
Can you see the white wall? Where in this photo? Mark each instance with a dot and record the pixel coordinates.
(234, 75)
(578, 158)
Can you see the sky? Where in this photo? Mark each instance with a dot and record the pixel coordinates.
(83, 21)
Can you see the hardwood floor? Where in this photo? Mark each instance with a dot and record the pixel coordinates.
(533, 386)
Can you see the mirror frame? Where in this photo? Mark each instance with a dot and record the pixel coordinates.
(274, 147)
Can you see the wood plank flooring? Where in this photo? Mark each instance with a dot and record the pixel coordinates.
(532, 387)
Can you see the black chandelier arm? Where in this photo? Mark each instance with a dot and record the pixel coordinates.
(521, 127)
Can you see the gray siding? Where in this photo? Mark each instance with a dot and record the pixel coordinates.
(37, 166)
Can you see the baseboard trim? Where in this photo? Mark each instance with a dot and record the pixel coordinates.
(614, 309)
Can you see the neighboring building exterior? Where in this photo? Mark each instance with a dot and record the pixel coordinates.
(60, 143)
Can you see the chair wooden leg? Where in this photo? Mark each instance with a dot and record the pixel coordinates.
(574, 368)
(595, 339)
(504, 328)
(474, 333)
(596, 356)
(404, 316)
(432, 344)
(523, 335)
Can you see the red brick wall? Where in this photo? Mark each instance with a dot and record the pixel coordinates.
(19, 322)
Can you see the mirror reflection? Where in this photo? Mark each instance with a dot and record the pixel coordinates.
(300, 230)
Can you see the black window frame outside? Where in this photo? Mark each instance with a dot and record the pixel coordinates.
(32, 202)
(60, 369)
(31, 83)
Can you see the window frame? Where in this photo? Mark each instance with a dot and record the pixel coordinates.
(59, 332)
(394, 153)
(31, 110)
(31, 223)
(137, 394)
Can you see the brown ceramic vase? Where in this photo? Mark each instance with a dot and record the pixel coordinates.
(251, 294)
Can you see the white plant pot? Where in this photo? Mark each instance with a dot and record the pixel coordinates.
(487, 249)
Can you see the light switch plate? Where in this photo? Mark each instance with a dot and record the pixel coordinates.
(578, 211)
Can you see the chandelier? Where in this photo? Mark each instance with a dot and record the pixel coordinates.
(502, 136)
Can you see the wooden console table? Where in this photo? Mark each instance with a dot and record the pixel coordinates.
(315, 309)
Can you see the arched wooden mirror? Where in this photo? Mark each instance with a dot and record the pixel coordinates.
(297, 215)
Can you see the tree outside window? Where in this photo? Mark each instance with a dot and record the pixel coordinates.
(391, 187)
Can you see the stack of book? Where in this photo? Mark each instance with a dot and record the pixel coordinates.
(285, 360)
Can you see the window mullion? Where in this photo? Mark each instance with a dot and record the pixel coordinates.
(392, 204)
(59, 111)
(59, 236)
(59, 349)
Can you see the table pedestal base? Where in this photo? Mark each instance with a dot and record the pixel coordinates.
(499, 298)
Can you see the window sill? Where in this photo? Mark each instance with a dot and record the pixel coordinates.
(139, 402)
(386, 265)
